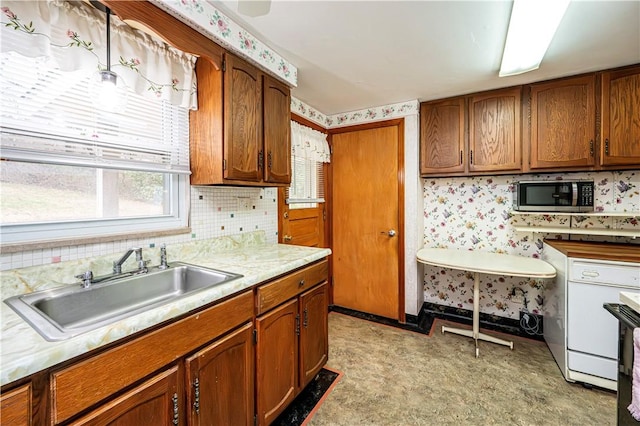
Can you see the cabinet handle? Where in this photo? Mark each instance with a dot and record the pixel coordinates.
(606, 146)
(269, 162)
(301, 283)
(306, 318)
(471, 157)
(591, 147)
(260, 159)
(174, 398)
(460, 156)
(196, 394)
(297, 324)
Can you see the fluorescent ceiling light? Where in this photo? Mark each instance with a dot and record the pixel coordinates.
(531, 28)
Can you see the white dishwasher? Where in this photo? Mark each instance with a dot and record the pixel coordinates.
(592, 333)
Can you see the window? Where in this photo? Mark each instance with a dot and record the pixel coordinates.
(309, 152)
(71, 168)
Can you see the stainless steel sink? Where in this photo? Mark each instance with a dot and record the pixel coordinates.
(62, 313)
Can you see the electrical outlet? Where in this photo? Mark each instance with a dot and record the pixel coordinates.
(530, 322)
(517, 298)
(244, 203)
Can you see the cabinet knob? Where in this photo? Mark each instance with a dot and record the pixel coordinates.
(301, 283)
(287, 238)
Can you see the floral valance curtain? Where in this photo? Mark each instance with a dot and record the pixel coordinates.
(309, 144)
(71, 35)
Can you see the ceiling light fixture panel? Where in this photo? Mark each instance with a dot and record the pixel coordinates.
(532, 26)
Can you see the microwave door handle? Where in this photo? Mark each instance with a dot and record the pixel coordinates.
(574, 194)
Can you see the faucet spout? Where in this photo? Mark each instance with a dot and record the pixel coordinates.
(117, 265)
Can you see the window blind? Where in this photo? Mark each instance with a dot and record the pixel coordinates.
(48, 115)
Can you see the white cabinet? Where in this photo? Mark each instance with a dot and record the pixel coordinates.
(581, 334)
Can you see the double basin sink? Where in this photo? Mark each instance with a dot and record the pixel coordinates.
(62, 313)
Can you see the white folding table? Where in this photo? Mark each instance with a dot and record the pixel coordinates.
(484, 263)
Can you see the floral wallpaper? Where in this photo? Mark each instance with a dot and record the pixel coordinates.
(203, 16)
(384, 112)
(475, 214)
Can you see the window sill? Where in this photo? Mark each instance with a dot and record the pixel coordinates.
(65, 242)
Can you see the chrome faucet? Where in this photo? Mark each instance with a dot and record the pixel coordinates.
(117, 265)
(163, 257)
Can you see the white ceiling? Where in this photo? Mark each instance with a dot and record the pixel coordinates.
(358, 54)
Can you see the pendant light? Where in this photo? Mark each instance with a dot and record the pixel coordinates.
(109, 92)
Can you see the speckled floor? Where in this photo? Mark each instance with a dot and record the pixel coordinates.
(397, 377)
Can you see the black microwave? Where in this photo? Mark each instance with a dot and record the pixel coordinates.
(553, 196)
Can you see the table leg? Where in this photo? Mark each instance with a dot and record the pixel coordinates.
(475, 332)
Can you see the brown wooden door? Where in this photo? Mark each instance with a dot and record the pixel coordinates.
(620, 142)
(314, 332)
(301, 227)
(442, 136)
(277, 360)
(220, 381)
(563, 123)
(158, 401)
(495, 131)
(367, 225)
(243, 153)
(277, 131)
(15, 406)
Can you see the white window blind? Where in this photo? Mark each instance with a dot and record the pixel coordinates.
(48, 115)
(309, 152)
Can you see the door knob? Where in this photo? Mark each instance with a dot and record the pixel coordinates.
(390, 232)
(287, 238)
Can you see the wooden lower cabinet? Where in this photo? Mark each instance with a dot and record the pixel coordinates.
(15, 406)
(220, 381)
(158, 401)
(277, 360)
(314, 333)
(292, 347)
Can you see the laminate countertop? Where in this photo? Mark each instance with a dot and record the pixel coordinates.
(24, 352)
(597, 250)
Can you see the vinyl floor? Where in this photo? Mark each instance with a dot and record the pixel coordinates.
(398, 377)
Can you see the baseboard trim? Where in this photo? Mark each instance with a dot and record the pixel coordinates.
(487, 321)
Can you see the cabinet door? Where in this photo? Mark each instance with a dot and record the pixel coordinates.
(158, 401)
(15, 406)
(243, 153)
(314, 336)
(495, 131)
(442, 136)
(621, 118)
(277, 131)
(220, 381)
(563, 125)
(277, 360)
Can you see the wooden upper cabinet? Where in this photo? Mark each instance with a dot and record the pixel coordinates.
(241, 132)
(243, 152)
(220, 381)
(495, 131)
(442, 136)
(620, 134)
(563, 124)
(277, 131)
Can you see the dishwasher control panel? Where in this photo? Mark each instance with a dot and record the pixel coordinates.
(610, 273)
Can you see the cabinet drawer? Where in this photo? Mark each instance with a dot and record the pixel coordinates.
(15, 406)
(81, 385)
(611, 273)
(278, 291)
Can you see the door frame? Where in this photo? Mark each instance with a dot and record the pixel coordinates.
(399, 123)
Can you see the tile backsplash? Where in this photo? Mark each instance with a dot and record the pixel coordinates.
(474, 214)
(215, 212)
